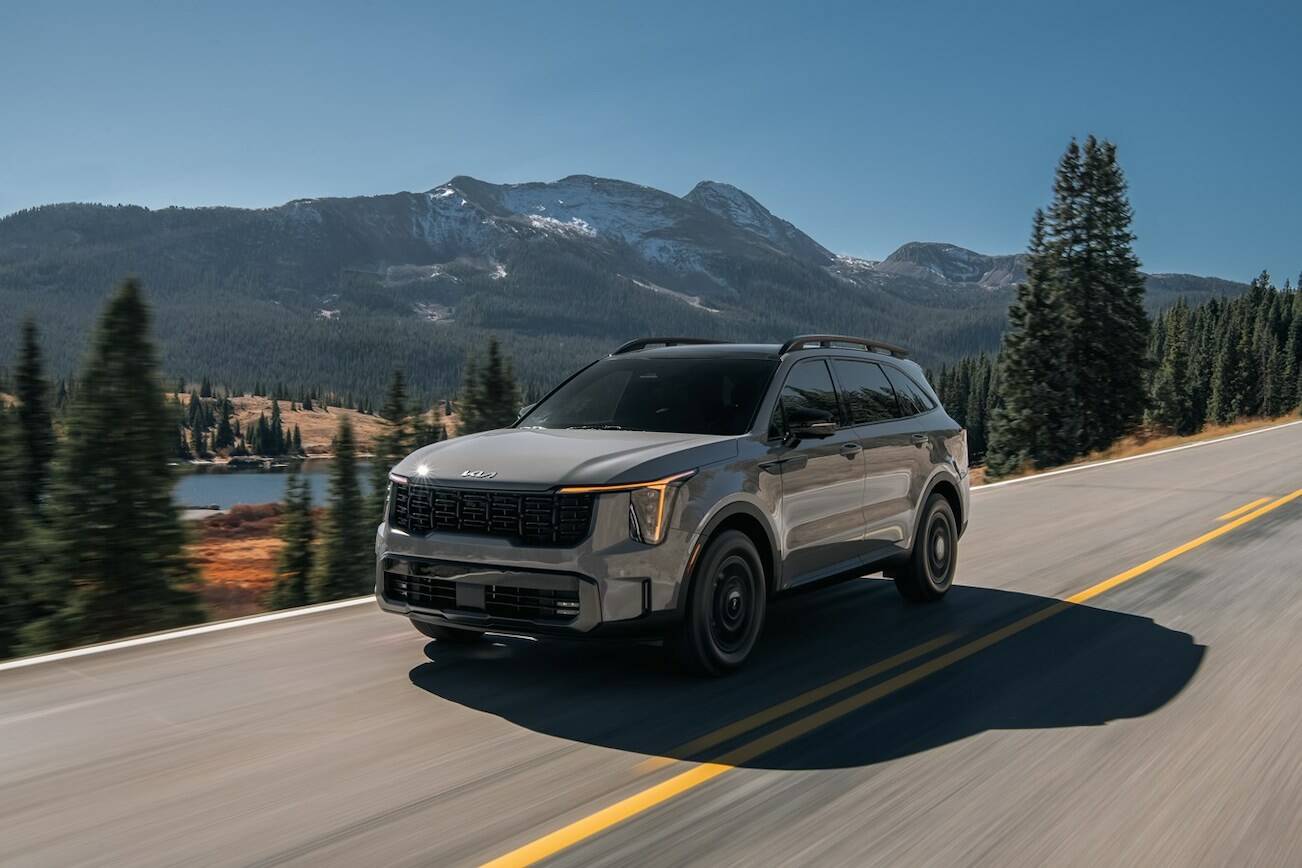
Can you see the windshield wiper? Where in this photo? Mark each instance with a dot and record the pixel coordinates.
(598, 426)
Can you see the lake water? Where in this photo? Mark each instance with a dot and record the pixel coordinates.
(204, 485)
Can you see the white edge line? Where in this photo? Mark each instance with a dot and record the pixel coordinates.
(1093, 464)
(182, 633)
(218, 626)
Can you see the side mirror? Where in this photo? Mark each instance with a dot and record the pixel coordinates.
(524, 411)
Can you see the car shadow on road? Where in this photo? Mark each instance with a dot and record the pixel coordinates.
(1084, 666)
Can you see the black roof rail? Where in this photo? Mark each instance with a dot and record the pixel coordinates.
(875, 346)
(643, 343)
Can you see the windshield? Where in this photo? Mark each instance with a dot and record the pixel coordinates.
(679, 395)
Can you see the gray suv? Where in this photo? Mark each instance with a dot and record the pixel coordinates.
(669, 490)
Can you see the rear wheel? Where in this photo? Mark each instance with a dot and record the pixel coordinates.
(725, 606)
(930, 569)
(450, 635)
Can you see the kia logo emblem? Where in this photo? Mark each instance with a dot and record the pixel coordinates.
(479, 474)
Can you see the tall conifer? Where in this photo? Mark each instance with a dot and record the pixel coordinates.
(297, 533)
(34, 420)
(116, 563)
(346, 567)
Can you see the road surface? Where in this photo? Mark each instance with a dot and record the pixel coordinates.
(1156, 719)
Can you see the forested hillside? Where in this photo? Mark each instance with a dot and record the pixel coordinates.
(336, 293)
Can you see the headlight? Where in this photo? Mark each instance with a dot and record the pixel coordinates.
(649, 504)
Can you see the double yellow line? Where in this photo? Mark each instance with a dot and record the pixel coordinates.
(580, 830)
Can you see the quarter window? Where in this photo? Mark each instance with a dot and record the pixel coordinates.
(913, 399)
(868, 394)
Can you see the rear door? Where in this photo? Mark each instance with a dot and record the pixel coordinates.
(890, 451)
(822, 479)
(916, 406)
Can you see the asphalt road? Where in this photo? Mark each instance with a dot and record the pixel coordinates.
(1155, 720)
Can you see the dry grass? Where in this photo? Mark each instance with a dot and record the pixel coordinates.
(236, 553)
(1143, 442)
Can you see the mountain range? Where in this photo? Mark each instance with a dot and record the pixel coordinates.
(338, 291)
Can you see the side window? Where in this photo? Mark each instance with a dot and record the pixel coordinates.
(808, 396)
(913, 398)
(867, 392)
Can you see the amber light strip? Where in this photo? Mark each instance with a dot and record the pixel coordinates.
(659, 486)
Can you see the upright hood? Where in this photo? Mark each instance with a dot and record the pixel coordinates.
(536, 458)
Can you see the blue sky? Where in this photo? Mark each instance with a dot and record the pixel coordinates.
(866, 124)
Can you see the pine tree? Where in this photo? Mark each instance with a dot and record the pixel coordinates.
(1123, 322)
(391, 446)
(112, 523)
(1291, 394)
(34, 421)
(346, 567)
(276, 431)
(196, 439)
(297, 532)
(490, 397)
(1035, 426)
(1170, 404)
(16, 562)
(224, 438)
(297, 441)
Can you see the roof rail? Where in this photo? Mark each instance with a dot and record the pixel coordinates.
(799, 343)
(643, 343)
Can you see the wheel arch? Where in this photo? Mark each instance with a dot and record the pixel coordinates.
(945, 487)
(750, 520)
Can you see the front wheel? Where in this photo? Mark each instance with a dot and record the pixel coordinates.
(929, 571)
(449, 635)
(725, 606)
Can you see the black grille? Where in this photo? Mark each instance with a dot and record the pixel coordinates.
(501, 601)
(421, 591)
(543, 519)
(505, 601)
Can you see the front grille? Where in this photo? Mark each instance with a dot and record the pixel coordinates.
(505, 601)
(501, 601)
(542, 519)
(422, 591)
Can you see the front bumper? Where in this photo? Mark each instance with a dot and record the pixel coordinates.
(606, 585)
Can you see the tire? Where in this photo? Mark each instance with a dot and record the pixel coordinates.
(929, 571)
(450, 635)
(724, 608)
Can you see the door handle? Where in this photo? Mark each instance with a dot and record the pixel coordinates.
(918, 439)
(774, 466)
(850, 450)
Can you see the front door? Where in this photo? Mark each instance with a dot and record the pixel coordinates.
(822, 480)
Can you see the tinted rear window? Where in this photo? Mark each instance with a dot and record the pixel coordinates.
(867, 392)
(682, 395)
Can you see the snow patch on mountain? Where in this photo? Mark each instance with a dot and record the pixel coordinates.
(611, 209)
(573, 226)
(690, 300)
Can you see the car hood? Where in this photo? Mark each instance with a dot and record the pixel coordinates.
(538, 458)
